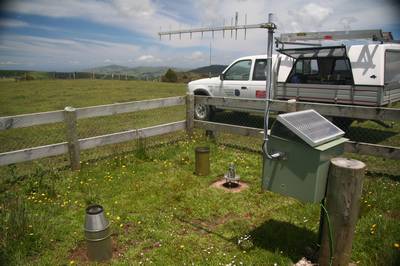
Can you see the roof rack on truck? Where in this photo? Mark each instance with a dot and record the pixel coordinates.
(301, 38)
(365, 73)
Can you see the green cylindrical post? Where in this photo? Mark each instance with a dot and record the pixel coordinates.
(202, 161)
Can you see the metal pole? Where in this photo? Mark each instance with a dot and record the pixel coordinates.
(210, 53)
(269, 57)
(268, 73)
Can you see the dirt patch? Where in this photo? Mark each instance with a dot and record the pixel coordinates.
(235, 188)
(151, 247)
(205, 226)
(393, 215)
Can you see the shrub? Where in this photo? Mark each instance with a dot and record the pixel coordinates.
(170, 76)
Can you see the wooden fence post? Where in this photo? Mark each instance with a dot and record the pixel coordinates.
(72, 137)
(342, 203)
(189, 114)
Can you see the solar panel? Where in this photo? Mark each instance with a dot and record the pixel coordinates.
(311, 127)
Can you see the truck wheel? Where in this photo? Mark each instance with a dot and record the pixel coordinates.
(202, 112)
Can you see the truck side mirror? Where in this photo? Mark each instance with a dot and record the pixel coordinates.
(221, 76)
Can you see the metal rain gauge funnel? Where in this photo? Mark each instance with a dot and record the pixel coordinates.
(97, 234)
(232, 180)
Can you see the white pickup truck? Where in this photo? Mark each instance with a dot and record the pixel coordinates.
(366, 75)
(244, 78)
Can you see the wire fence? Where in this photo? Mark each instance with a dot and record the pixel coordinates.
(381, 132)
(385, 133)
(117, 75)
(375, 132)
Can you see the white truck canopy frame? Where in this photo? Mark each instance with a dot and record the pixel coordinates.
(301, 38)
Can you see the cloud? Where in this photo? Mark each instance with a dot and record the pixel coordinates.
(347, 21)
(136, 16)
(311, 16)
(148, 59)
(143, 8)
(11, 23)
(144, 19)
(8, 63)
(54, 54)
(196, 56)
(74, 62)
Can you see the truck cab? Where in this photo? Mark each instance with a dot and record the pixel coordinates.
(243, 78)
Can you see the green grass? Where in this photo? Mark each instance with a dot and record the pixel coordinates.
(49, 95)
(162, 213)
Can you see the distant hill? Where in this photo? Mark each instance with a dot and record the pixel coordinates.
(139, 72)
(108, 69)
(214, 69)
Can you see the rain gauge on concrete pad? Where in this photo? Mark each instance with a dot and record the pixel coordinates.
(307, 142)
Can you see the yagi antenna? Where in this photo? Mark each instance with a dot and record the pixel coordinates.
(234, 27)
(271, 27)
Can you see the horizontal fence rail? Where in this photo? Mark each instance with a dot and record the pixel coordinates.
(31, 154)
(89, 143)
(350, 111)
(120, 108)
(27, 120)
(128, 135)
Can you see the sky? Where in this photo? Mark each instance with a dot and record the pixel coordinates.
(72, 35)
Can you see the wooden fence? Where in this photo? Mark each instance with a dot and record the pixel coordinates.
(70, 116)
(73, 145)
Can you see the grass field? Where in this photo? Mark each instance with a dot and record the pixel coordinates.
(161, 213)
(49, 95)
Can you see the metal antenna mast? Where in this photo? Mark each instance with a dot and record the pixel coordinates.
(271, 27)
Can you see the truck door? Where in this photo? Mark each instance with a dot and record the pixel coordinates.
(236, 79)
(256, 88)
(258, 84)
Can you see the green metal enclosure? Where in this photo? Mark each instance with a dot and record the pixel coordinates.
(302, 171)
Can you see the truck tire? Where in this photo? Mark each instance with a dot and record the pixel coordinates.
(202, 112)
